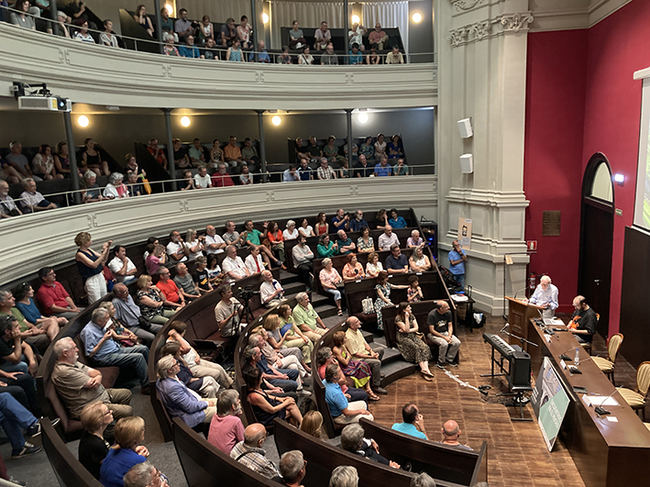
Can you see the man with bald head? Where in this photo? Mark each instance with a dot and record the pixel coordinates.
(450, 433)
(585, 318)
(545, 296)
(214, 244)
(251, 454)
(271, 291)
(387, 239)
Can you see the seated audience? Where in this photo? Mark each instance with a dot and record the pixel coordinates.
(372, 57)
(202, 179)
(53, 297)
(329, 57)
(176, 248)
(185, 283)
(344, 476)
(107, 38)
(179, 400)
(232, 236)
(365, 243)
(196, 153)
(15, 420)
(155, 256)
(24, 297)
(143, 19)
(267, 407)
(15, 354)
(102, 348)
(382, 220)
(325, 247)
(344, 243)
(92, 192)
(441, 332)
(321, 227)
(383, 289)
(355, 56)
(226, 428)
(358, 347)
(228, 313)
(382, 168)
(394, 148)
(18, 161)
(324, 171)
(283, 334)
(38, 337)
(172, 297)
(33, 201)
(232, 153)
(357, 371)
(342, 411)
(306, 318)
(325, 357)
(194, 244)
(373, 266)
(183, 27)
(400, 169)
(276, 240)
(414, 240)
(353, 440)
(353, 270)
(285, 358)
(249, 152)
(181, 157)
(305, 172)
(127, 451)
(245, 177)
(93, 448)
(332, 282)
(367, 149)
(410, 341)
(23, 17)
(91, 157)
(115, 188)
(213, 243)
(340, 221)
(188, 181)
(394, 56)
(284, 57)
(286, 379)
(296, 36)
(414, 292)
(413, 422)
(322, 37)
(80, 385)
(121, 266)
(387, 239)
(43, 163)
(302, 260)
(261, 55)
(221, 178)
(377, 37)
(254, 262)
(290, 174)
(128, 313)
(204, 386)
(331, 152)
(450, 434)
(293, 468)
(250, 453)
(358, 223)
(396, 262)
(144, 475)
(423, 480)
(253, 238)
(244, 31)
(271, 291)
(312, 424)
(198, 366)
(418, 262)
(396, 221)
(8, 207)
(290, 232)
(228, 32)
(152, 301)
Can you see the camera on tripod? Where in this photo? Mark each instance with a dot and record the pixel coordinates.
(244, 294)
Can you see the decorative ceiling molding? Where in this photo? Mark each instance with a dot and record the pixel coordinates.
(461, 5)
(484, 29)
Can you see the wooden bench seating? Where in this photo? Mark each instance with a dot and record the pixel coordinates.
(204, 465)
(68, 470)
(442, 462)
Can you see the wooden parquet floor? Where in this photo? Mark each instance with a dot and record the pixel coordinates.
(517, 454)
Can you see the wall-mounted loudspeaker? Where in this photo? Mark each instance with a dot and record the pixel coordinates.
(465, 128)
(466, 163)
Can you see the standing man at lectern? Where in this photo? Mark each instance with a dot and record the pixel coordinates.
(545, 296)
(457, 258)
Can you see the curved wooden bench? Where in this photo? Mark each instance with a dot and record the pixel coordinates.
(204, 465)
(442, 462)
(68, 470)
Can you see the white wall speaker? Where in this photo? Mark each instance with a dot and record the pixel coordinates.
(465, 128)
(467, 164)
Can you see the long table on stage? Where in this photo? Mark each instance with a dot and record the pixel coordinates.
(607, 454)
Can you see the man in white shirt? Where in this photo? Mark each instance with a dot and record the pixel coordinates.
(214, 244)
(254, 262)
(176, 249)
(202, 179)
(121, 266)
(546, 296)
(227, 313)
(355, 35)
(387, 239)
(290, 175)
(233, 266)
(271, 292)
(302, 257)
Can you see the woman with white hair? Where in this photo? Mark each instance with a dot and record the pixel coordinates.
(116, 188)
(290, 232)
(332, 282)
(92, 191)
(344, 476)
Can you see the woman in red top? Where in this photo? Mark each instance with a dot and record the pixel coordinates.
(274, 234)
(321, 226)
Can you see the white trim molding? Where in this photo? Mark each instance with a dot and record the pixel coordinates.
(134, 219)
(483, 29)
(108, 76)
(574, 14)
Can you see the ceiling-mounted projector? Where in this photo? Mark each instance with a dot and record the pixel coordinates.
(47, 103)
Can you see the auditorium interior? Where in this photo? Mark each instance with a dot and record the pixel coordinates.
(507, 142)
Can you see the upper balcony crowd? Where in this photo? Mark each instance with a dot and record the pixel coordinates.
(204, 39)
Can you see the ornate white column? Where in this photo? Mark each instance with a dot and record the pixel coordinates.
(482, 75)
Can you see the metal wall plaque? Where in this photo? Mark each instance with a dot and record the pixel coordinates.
(551, 223)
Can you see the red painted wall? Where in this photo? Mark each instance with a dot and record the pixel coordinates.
(609, 108)
(553, 151)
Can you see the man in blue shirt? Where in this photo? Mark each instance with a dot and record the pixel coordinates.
(413, 424)
(382, 168)
(261, 56)
(304, 171)
(345, 243)
(355, 55)
(342, 411)
(396, 262)
(358, 222)
(99, 344)
(189, 49)
(457, 259)
(341, 221)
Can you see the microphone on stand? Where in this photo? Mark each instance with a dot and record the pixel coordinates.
(600, 409)
(516, 292)
(505, 327)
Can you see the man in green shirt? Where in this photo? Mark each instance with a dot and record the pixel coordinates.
(306, 318)
(254, 239)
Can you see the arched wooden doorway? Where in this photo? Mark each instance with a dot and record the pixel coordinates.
(596, 238)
